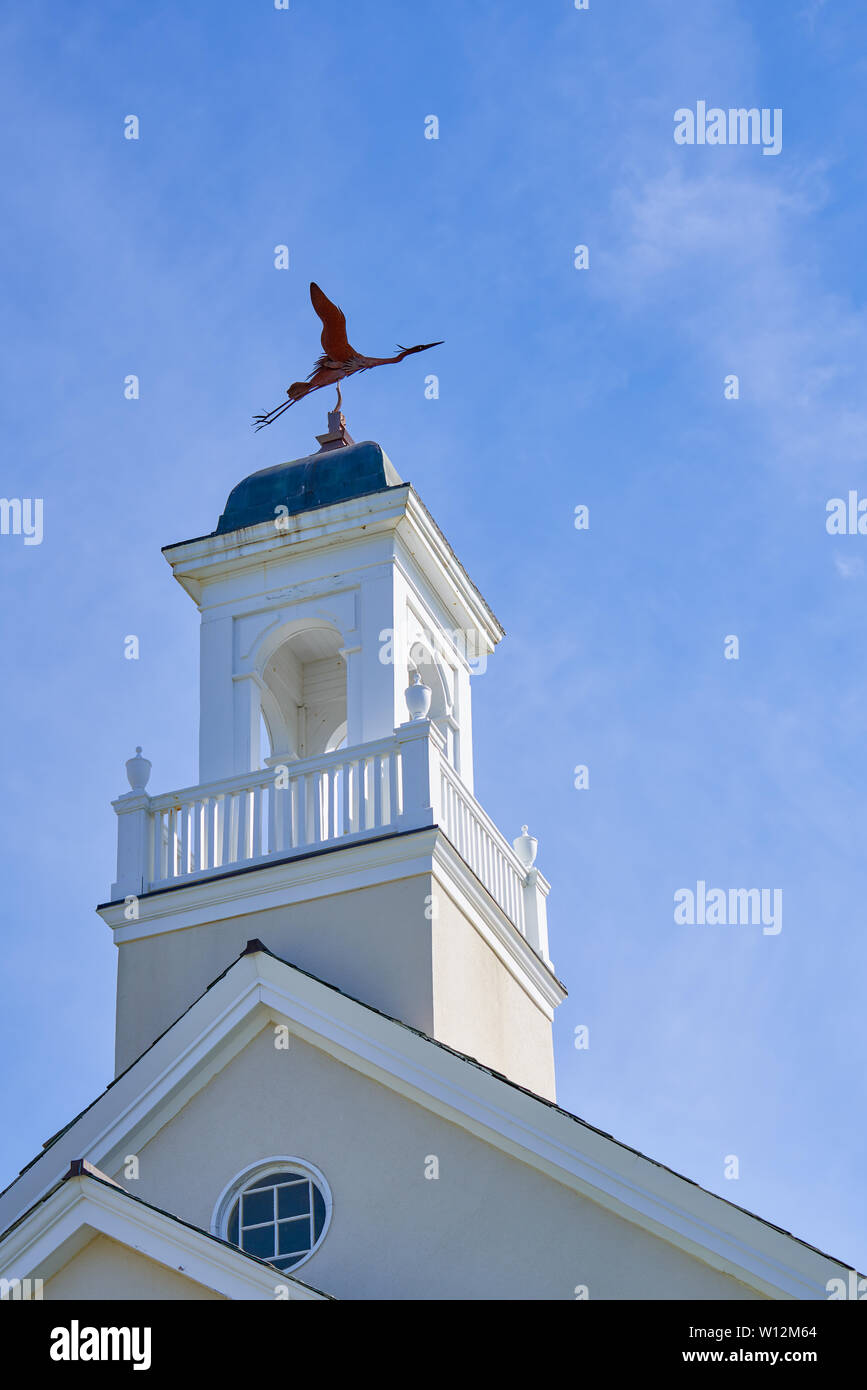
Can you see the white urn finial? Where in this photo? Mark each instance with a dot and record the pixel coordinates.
(526, 846)
(417, 696)
(138, 770)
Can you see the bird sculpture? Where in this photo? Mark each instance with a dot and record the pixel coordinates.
(337, 361)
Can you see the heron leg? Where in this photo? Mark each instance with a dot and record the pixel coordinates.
(339, 397)
(272, 415)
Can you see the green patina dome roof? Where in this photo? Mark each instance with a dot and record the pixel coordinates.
(332, 475)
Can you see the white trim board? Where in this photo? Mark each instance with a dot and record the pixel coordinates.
(82, 1207)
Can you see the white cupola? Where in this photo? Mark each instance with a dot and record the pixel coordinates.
(324, 590)
(334, 817)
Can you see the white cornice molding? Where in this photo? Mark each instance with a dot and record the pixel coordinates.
(259, 988)
(442, 560)
(398, 510)
(229, 552)
(322, 873)
(83, 1207)
(345, 869)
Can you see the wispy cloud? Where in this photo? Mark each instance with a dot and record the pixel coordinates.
(722, 254)
(848, 569)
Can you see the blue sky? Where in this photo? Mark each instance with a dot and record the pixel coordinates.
(557, 387)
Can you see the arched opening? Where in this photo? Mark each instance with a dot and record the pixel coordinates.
(304, 696)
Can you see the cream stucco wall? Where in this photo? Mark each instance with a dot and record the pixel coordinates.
(489, 1227)
(381, 945)
(373, 943)
(106, 1269)
(480, 1007)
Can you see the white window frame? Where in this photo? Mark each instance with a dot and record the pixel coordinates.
(263, 1168)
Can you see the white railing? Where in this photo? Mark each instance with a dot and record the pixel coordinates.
(291, 807)
(400, 783)
(479, 842)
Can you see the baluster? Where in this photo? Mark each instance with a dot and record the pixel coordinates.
(320, 821)
(327, 799)
(391, 769)
(377, 790)
(275, 817)
(289, 802)
(199, 853)
(155, 843)
(286, 816)
(309, 808)
(299, 825)
(256, 845)
(172, 846)
(348, 771)
(359, 793)
(364, 794)
(226, 830)
(328, 794)
(248, 797)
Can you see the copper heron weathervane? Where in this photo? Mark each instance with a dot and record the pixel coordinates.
(337, 361)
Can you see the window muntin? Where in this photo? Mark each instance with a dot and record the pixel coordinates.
(279, 1217)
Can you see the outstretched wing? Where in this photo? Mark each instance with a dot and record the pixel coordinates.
(334, 339)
